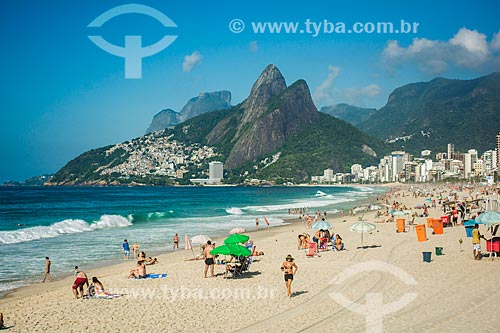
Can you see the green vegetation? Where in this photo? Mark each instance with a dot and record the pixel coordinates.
(442, 111)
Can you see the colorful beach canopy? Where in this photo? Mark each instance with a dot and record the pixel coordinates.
(236, 239)
(489, 217)
(321, 225)
(231, 249)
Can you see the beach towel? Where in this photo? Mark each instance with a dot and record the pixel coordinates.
(156, 276)
(102, 296)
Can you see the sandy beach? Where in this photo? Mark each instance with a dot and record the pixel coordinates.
(451, 293)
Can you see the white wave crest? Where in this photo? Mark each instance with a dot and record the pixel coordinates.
(234, 211)
(69, 226)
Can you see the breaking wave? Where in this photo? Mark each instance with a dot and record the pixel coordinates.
(68, 226)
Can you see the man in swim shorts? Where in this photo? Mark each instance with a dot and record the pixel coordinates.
(126, 250)
(476, 242)
(209, 259)
(80, 281)
(290, 269)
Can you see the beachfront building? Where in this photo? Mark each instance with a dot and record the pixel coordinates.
(498, 152)
(478, 168)
(451, 151)
(215, 172)
(490, 161)
(328, 176)
(398, 159)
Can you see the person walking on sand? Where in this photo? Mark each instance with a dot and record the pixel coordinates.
(209, 259)
(257, 223)
(290, 269)
(47, 270)
(176, 241)
(126, 250)
(476, 242)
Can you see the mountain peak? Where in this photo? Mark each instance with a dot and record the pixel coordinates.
(269, 85)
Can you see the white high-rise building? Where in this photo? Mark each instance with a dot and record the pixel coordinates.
(398, 162)
(215, 171)
(328, 175)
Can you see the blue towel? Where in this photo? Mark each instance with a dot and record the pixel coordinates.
(156, 276)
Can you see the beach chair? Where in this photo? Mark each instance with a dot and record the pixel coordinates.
(240, 268)
(323, 244)
(312, 250)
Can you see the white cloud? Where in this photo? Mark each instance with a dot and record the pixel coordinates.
(495, 42)
(191, 60)
(253, 47)
(466, 49)
(358, 95)
(324, 91)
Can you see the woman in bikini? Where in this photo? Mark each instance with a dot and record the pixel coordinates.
(290, 269)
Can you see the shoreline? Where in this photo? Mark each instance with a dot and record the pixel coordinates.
(257, 300)
(109, 263)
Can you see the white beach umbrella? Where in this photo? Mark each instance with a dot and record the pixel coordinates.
(200, 239)
(362, 227)
(237, 230)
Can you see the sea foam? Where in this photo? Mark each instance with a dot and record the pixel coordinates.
(69, 226)
(234, 211)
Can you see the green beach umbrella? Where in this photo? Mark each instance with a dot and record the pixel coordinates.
(236, 239)
(231, 249)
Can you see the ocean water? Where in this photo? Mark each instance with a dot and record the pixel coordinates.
(86, 226)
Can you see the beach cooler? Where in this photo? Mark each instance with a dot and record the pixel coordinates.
(469, 226)
(400, 225)
(421, 232)
(493, 245)
(445, 219)
(438, 227)
(430, 222)
(426, 256)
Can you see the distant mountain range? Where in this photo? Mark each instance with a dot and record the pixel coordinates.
(429, 115)
(352, 114)
(276, 133)
(32, 181)
(205, 102)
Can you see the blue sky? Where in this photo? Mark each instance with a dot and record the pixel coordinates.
(62, 95)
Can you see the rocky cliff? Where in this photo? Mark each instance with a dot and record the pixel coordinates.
(271, 113)
(205, 102)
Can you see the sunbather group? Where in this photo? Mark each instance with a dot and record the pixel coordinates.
(81, 280)
(322, 238)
